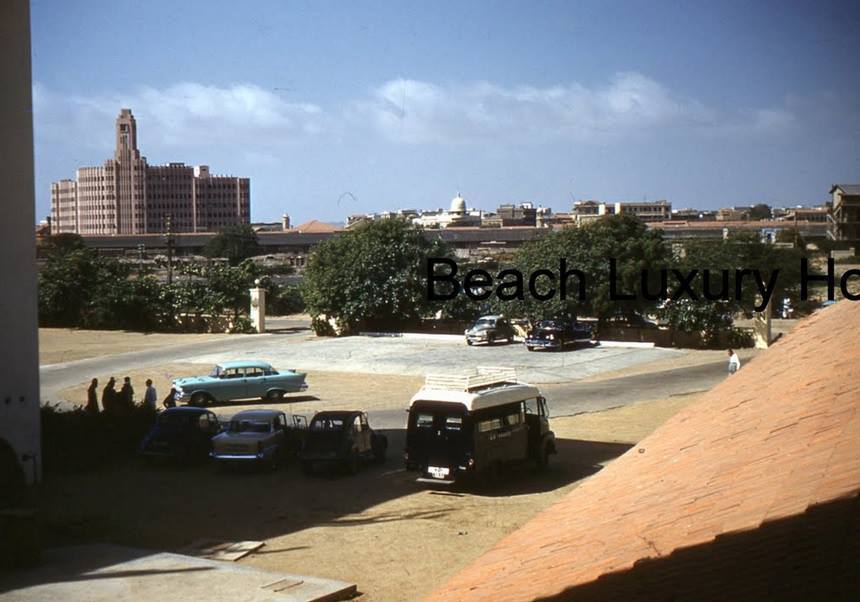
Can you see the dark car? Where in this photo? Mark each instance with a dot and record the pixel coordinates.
(489, 329)
(341, 438)
(183, 434)
(555, 334)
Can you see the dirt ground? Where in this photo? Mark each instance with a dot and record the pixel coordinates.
(58, 345)
(393, 537)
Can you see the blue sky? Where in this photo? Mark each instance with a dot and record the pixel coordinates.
(405, 104)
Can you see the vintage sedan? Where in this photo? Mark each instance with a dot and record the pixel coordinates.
(246, 379)
(489, 329)
(264, 437)
(555, 334)
(183, 434)
(341, 438)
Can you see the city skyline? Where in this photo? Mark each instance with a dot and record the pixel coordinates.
(339, 109)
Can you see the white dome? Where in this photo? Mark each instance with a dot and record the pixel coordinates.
(458, 204)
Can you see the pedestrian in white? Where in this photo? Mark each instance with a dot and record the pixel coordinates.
(734, 362)
(150, 397)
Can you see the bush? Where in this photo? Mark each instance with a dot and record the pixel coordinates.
(77, 441)
(285, 300)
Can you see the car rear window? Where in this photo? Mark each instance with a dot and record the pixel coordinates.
(249, 426)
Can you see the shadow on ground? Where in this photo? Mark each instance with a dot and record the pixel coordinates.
(167, 507)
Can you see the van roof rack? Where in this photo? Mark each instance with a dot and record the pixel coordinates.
(482, 377)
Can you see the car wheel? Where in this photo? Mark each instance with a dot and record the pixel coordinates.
(530, 348)
(490, 339)
(542, 461)
(469, 342)
(379, 453)
(275, 396)
(199, 400)
(352, 463)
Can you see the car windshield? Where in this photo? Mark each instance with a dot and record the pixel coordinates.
(249, 426)
(485, 322)
(216, 371)
(327, 424)
(548, 324)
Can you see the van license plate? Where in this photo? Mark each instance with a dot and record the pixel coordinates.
(438, 472)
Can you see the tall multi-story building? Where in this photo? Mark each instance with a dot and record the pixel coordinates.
(127, 196)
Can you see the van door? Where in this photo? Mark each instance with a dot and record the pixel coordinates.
(438, 440)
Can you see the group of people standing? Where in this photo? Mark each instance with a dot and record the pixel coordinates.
(113, 401)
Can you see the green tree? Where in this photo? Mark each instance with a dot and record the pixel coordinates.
(589, 249)
(233, 243)
(373, 276)
(760, 211)
(739, 251)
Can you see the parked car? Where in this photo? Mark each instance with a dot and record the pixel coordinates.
(555, 334)
(244, 379)
(341, 437)
(489, 329)
(460, 426)
(265, 437)
(183, 434)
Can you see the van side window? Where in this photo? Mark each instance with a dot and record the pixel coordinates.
(492, 424)
(453, 423)
(513, 419)
(424, 421)
(531, 406)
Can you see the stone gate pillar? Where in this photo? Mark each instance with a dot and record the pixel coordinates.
(258, 307)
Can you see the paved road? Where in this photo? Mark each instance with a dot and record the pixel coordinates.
(56, 377)
(574, 398)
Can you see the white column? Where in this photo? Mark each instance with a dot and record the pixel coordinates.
(19, 337)
(258, 308)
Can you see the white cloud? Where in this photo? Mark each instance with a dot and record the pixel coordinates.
(417, 112)
(254, 120)
(186, 114)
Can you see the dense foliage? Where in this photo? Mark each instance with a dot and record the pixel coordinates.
(373, 276)
(589, 248)
(75, 441)
(233, 243)
(740, 251)
(79, 288)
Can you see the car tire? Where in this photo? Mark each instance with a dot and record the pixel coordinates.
(491, 340)
(379, 451)
(275, 396)
(542, 460)
(199, 399)
(469, 342)
(352, 462)
(530, 348)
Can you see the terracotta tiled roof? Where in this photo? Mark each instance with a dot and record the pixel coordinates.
(315, 226)
(749, 493)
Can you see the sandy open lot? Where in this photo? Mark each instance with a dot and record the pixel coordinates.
(58, 345)
(393, 537)
(396, 539)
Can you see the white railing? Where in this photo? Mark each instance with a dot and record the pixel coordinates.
(483, 376)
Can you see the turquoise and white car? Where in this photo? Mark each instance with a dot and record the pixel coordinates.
(245, 379)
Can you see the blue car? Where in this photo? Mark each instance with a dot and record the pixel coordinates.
(182, 434)
(246, 379)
